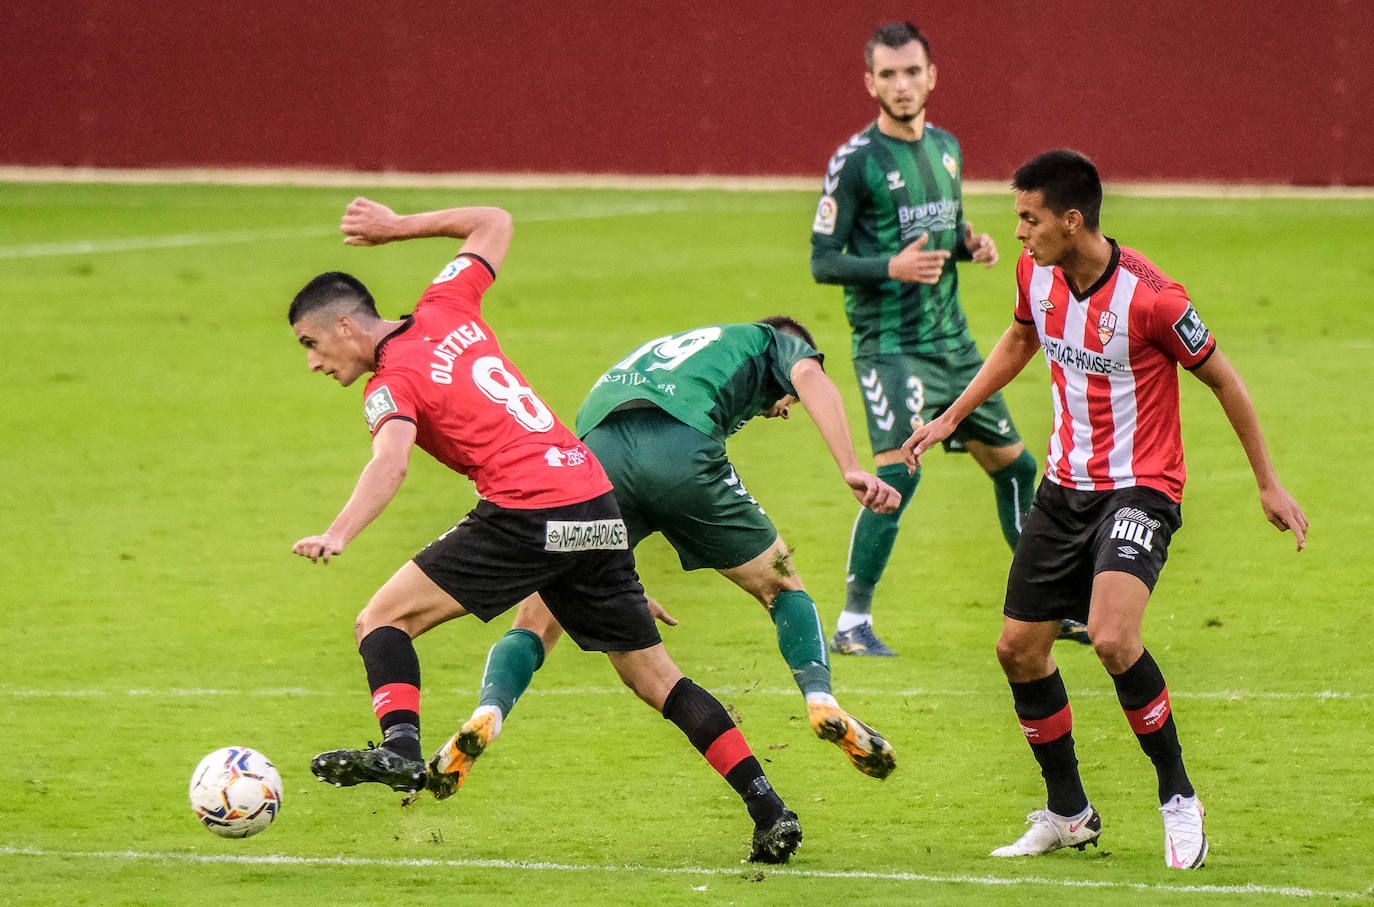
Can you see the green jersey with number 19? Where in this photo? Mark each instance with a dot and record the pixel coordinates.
(880, 195)
(713, 378)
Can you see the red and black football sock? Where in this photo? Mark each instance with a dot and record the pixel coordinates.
(1145, 699)
(1046, 720)
(708, 726)
(393, 676)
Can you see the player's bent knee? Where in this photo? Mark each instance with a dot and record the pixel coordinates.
(1117, 653)
(1021, 660)
(649, 673)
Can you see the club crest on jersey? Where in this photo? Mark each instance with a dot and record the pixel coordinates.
(1106, 327)
(453, 269)
(827, 211)
(1191, 331)
(895, 181)
(378, 406)
(950, 164)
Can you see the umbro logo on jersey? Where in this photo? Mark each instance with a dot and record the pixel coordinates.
(895, 181)
(1126, 552)
(1046, 305)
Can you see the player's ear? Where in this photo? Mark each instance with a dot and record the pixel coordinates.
(1073, 220)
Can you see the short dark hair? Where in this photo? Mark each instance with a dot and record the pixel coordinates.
(790, 326)
(329, 289)
(894, 35)
(1067, 179)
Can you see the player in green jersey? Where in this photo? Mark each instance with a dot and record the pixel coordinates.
(889, 227)
(658, 420)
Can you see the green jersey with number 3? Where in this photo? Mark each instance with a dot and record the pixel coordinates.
(714, 378)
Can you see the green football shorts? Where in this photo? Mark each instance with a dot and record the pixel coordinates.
(898, 386)
(671, 478)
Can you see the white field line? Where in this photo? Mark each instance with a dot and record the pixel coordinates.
(225, 237)
(130, 856)
(166, 241)
(301, 692)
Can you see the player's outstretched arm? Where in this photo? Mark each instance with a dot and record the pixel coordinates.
(1016, 347)
(1280, 508)
(825, 405)
(487, 231)
(377, 485)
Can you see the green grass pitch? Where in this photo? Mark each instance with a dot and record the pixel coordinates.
(164, 446)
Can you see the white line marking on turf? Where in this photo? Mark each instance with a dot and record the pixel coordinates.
(300, 692)
(286, 860)
(167, 241)
(187, 240)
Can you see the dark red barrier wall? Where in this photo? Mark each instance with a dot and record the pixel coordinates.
(1235, 90)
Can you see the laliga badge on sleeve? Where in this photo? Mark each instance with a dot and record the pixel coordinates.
(453, 269)
(826, 213)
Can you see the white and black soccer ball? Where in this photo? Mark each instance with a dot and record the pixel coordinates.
(236, 792)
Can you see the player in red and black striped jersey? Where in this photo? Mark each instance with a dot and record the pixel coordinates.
(547, 522)
(1114, 329)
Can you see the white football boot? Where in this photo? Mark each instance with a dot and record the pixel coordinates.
(1185, 843)
(1049, 831)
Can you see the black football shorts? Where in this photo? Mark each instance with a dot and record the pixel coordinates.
(1071, 536)
(577, 557)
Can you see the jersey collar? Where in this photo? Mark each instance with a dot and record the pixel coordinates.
(406, 323)
(1106, 275)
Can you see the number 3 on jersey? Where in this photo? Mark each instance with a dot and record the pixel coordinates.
(492, 378)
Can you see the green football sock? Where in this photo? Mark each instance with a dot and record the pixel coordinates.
(511, 664)
(800, 640)
(1014, 485)
(873, 538)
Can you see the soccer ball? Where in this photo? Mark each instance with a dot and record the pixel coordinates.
(235, 792)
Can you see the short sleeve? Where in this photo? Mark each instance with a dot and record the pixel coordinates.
(1178, 329)
(460, 285)
(389, 397)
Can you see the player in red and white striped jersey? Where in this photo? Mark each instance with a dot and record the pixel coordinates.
(1113, 329)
